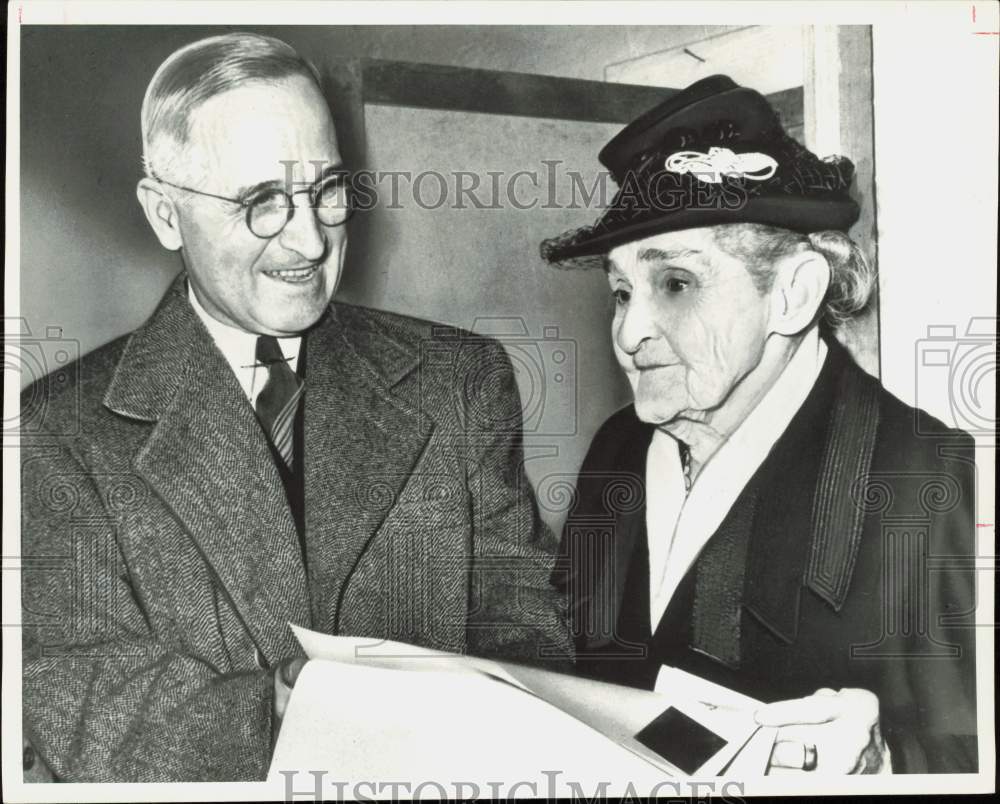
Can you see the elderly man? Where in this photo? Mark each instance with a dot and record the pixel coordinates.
(765, 514)
(256, 455)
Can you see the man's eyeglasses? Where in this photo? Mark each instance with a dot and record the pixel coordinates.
(268, 211)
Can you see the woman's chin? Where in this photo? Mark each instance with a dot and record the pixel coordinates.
(652, 411)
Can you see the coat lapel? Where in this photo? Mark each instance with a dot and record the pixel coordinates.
(807, 528)
(208, 460)
(362, 441)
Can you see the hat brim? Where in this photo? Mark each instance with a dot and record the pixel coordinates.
(794, 212)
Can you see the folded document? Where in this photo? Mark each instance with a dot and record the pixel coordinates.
(365, 709)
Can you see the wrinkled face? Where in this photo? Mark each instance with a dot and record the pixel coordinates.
(243, 141)
(689, 323)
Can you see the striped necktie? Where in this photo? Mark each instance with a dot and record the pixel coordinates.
(278, 400)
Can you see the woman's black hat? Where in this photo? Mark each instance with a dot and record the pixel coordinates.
(713, 153)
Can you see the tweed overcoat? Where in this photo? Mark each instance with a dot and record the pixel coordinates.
(847, 561)
(161, 563)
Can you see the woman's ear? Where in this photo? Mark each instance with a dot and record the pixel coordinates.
(161, 212)
(798, 290)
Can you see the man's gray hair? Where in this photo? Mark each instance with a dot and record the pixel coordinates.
(852, 279)
(202, 70)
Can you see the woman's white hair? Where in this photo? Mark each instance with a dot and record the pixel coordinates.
(852, 279)
(197, 72)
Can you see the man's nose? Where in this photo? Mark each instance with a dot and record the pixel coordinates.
(303, 234)
(638, 325)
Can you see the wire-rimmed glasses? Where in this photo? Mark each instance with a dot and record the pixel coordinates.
(269, 210)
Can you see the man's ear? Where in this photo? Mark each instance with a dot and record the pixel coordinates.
(798, 290)
(161, 212)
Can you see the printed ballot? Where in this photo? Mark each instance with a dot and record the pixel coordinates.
(366, 709)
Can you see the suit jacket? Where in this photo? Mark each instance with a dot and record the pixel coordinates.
(162, 564)
(845, 562)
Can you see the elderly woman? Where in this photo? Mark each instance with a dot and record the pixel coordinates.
(765, 513)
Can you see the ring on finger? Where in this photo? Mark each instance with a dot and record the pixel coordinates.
(808, 757)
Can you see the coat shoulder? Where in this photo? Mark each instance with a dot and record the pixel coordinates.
(922, 468)
(910, 431)
(624, 420)
(58, 402)
(440, 368)
(385, 338)
(619, 431)
(409, 331)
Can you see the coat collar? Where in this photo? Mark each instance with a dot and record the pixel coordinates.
(155, 360)
(158, 358)
(209, 461)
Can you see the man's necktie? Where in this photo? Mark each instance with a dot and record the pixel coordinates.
(278, 400)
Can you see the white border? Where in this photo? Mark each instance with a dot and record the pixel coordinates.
(951, 20)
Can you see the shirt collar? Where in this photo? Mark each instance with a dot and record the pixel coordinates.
(764, 425)
(240, 348)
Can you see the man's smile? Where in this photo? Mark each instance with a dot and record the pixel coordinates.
(294, 275)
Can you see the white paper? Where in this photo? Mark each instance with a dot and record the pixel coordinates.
(727, 704)
(371, 709)
(393, 655)
(364, 724)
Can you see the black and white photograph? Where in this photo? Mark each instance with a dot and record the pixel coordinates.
(445, 400)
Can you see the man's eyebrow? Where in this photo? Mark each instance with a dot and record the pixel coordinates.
(279, 184)
(659, 255)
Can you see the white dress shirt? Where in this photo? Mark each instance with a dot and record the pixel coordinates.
(240, 350)
(679, 524)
